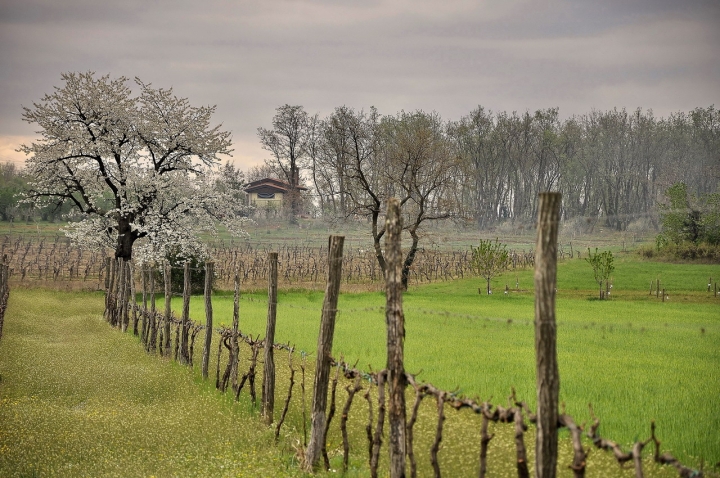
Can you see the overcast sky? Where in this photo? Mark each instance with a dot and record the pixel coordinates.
(249, 57)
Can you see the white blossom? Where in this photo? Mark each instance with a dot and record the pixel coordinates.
(137, 167)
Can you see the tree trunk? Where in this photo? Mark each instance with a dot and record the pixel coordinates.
(410, 258)
(377, 236)
(547, 374)
(125, 239)
(396, 282)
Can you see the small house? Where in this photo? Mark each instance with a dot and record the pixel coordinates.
(268, 193)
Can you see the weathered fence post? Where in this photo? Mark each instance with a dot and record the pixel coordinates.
(395, 321)
(268, 385)
(547, 374)
(235, 328)
(112, 301)
(131, 277)
(324, 350)
(122, 295)
(184, 354)
(144, 323)
(168, 311)
(126, 295)
(108, 272)
(152, 325)
(208, 319)
(4, 291)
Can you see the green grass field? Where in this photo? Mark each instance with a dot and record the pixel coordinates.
(78, 398)
(634, 357)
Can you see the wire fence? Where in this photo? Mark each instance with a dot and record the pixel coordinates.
(165, 334)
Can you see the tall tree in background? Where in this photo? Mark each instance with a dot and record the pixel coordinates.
(407, 156)
(484, 168)
(287, 141)
(420, 164)
(337, 145)
(134, 166)
(706, 131)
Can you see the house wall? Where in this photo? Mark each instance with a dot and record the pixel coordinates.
(276, 202)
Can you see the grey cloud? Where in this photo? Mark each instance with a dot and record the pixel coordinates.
(248, 57)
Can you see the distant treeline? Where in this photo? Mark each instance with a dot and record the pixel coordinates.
(612, 167)
(13, 182)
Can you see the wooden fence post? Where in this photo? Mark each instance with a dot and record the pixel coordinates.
(131, 285)
(547, 374)
(128, 295)
(395, 321)
(268, 385)
(235, 329)
(184, 354)
(120, 287)
(108, 292)
(208, 319)
(143, 315)
(325, 339)
(4, 291)
(168, 311)
(112, 293)
(152, 324)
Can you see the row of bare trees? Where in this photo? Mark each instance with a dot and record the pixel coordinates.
(611, 166)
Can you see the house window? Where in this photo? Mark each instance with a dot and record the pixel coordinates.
(266, 195)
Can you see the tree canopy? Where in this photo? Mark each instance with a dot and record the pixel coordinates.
(686, 218)
(489, 259)
(602, 266)
(134, 165)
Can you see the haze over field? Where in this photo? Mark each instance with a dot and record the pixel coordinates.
(251, 57)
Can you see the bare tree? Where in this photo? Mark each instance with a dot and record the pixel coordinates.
(419, 163)
(407, 156)
(287, 141)
(484, 166)
(263, 171)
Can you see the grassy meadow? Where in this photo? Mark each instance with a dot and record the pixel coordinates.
(80, 399)
(634, 357)
(77, 398)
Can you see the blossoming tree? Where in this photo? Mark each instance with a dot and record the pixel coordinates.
(135, 165)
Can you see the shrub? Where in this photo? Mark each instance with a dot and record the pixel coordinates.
(177, 274)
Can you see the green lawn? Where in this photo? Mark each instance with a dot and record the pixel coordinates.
(635, 358)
